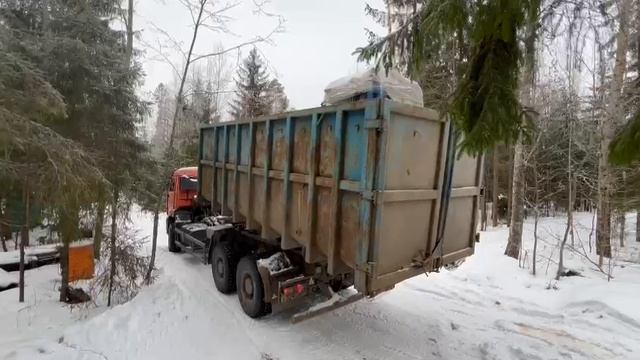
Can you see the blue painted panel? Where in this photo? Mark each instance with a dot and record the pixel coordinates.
(301, 143)
(279, 145)
(220, 141)
(207, 144)
(245, 144)
(354, 145)
(327, 144)
(231, 148)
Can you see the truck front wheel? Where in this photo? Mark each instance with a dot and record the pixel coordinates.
(223, 267)
(171, 238)
(250, 288)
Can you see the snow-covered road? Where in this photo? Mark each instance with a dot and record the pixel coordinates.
(486, 309)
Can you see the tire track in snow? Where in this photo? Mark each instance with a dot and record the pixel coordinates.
(342, 330)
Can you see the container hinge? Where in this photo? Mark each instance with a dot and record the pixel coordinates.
(373, 124)
(369, 195)
(368, 267)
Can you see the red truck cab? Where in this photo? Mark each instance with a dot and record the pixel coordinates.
(182, 190)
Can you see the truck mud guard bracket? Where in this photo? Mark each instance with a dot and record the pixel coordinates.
(336, 301)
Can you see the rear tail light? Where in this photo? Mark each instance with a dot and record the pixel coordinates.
(294, 290)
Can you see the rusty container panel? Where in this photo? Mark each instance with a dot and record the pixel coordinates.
(206, 177)
(410, 180)
(460, 229)
(208, 151)
(410, 175)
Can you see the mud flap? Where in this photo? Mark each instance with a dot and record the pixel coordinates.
(335, 301)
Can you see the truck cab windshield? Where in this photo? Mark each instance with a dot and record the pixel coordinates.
(188, 184)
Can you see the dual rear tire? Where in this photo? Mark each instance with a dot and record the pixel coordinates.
(231, 273)
(250, 288)
(223, 267)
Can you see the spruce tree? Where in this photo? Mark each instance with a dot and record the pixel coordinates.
(277, 97)
(164, 110)
(71, 72)
(483, 37)
(252, 86)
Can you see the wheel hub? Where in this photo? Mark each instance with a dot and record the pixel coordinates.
(220, 267)
(247, 287)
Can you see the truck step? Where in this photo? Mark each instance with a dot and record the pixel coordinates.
(190, 249)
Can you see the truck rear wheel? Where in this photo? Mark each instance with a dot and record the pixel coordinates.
(224, 262)
(171, 238)
(250, 288)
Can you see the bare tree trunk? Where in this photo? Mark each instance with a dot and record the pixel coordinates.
(572, 187)
(494, 187)
(622, 222)
(638, 226)
(562, 245)
(527, 88)
(517, 202)
(184, 75)
(569, 206)
(571, 210)
(483, 211)
(4, 230)
(607, 128)
(389, 17)
(593, 227)
(154, 245)
(129, 49)
(536, 215)
(98, 233)
(64, 271)
(535, 239)
(483, 214)
(510, 186)
(69, 232)
(114, 229)
(24, 240)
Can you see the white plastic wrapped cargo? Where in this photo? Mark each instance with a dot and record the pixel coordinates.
(394, 84)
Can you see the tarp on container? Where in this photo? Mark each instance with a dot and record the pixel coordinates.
(394, 84)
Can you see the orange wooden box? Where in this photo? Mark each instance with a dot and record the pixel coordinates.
(81, 263)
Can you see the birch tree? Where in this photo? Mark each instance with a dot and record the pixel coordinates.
(607, 128)
(514, 242)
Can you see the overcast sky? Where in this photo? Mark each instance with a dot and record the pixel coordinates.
(315, 48)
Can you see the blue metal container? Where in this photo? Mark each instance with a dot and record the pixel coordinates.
(357, 188)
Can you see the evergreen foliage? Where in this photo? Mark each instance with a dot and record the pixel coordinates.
(277, 97)
(68, 110)
(625, 148)
(484, 36)
(256, 95)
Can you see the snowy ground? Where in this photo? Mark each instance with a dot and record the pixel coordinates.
(488, 308)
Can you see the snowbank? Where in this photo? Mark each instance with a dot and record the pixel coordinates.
(6, 279)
